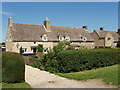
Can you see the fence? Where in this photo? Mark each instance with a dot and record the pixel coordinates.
(29, 60)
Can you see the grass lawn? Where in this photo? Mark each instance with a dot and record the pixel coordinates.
(16, 85)
(108, 74)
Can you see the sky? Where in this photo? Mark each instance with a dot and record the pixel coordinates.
(72, 14)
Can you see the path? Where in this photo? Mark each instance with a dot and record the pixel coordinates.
(42, 79)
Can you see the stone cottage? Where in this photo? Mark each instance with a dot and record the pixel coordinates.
(28, 36)
(105, 38)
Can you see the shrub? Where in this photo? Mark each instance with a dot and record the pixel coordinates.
(13, 67)
(40, 48)
(107, 46)
(74, 61)
(70, 47)
(21, 50)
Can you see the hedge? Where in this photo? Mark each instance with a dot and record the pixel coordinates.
(13, 68)
(74, 61)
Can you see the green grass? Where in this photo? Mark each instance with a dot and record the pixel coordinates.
(16, 85)
(108, 74)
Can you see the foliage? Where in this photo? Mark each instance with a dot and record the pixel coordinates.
(48, 61)
(16, 85)
(61, 46)
(40, 48)
(70, 47)
(62, 60)
(108, 74)
(74, 61)
(13, 67)
(21, 50)
(107, 46)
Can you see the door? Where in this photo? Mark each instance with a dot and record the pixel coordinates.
(34, 50)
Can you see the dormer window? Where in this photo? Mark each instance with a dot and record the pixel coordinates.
(109, 39)
(44, 37)
(67, 38)
(83, 38)
(61, 38)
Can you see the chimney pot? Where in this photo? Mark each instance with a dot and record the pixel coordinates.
(101, 28)
(85, 27)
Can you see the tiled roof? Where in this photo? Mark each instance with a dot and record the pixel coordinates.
(31, 32)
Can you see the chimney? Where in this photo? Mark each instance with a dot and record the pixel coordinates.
(118, 31)
(85, 27)
(101, 28)
(10, 21)
(47, 24)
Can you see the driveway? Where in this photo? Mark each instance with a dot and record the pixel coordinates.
(42, 79)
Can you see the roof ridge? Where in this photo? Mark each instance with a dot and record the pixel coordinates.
(27, 24)
(66, 26)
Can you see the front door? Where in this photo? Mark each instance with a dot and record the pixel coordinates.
(34, 50)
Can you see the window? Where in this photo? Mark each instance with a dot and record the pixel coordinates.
(83, 38)
(24, 50)
(61, 38)
(44, 38)
(109, 39)
(45, 50)
(67, 38)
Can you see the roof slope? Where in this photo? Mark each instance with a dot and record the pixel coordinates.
(102, 34)
(31, 32)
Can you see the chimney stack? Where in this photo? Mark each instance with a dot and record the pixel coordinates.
(47, 24)
(85, 27)
(101, 28)
(10, 21)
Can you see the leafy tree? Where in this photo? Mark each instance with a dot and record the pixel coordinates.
(40, 48)
(61, 46)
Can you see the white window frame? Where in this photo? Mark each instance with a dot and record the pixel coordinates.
(61, 38)
(44, 37)
(24, 50)
(67, 38)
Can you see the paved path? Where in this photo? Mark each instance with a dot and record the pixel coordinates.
(42, 79)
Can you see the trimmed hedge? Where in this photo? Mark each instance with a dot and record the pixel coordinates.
(13, 67)
(74, 61)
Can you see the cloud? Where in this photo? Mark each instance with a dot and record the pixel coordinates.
(5, 13)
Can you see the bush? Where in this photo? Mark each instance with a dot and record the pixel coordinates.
(74, 61)
(40, 48)
(21, 50)
(107, 46)
(13, 67)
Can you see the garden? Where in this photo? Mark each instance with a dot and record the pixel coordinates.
(63, 60)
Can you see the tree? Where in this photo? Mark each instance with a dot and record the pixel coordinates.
(40, 48)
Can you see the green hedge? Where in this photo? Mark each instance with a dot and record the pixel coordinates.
(13, 67)
(73, 61)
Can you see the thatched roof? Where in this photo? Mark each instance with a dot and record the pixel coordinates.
(31, 32)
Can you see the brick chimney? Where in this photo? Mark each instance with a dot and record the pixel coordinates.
(101, 28)
(85, 27)
(10, 21)
(47, 24)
